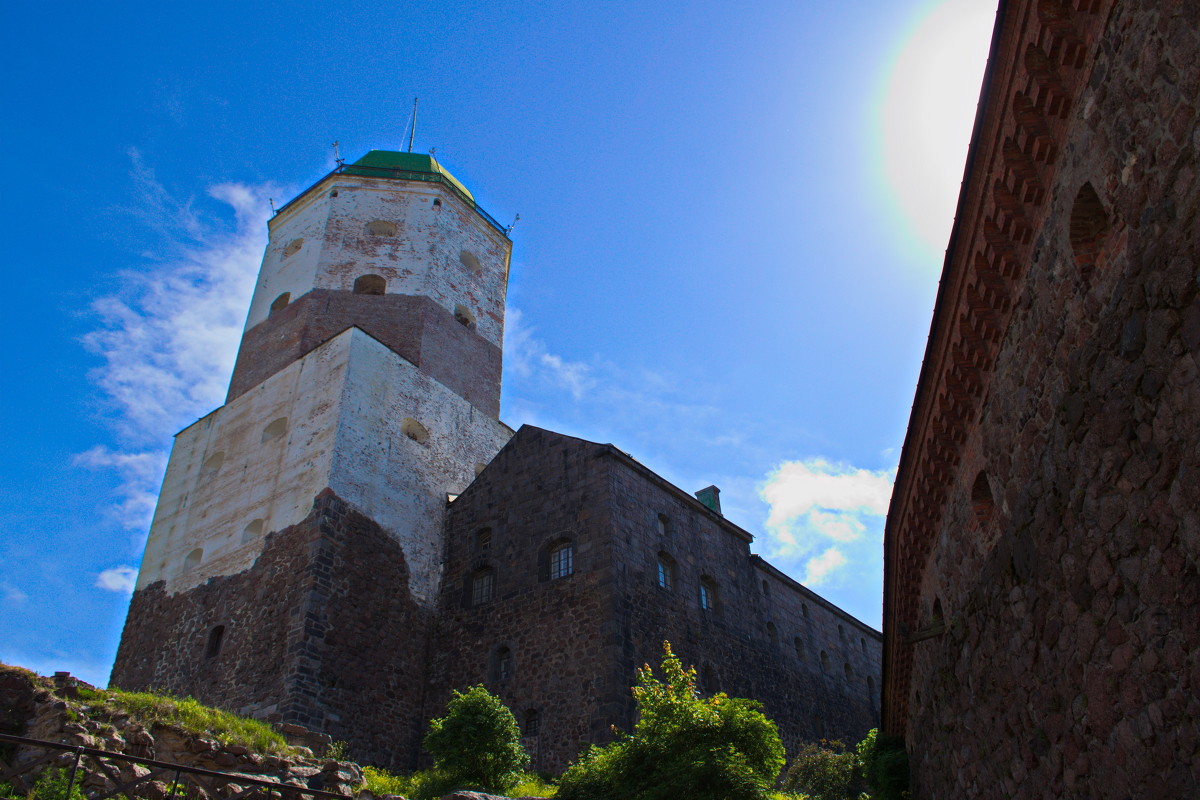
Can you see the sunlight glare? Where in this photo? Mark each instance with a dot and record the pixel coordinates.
(927, 114)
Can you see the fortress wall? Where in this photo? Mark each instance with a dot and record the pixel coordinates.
(1058, 597)
(804, 659)
(320, 631)
(227, 472)
(541, 488)
(577, 642)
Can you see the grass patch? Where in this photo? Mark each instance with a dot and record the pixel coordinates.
(431, 784)
(149, 708)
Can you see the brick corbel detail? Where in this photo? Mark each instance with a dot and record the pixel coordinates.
(1040, 61)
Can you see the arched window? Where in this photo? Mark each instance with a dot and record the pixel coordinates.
(799, 645)
(483, 583)
(414, 430)
(469, 261)
(708, 680)
(824, 661)
(709, 599)
(849, 672)
(215, 636)
(863, 642)
(666, 571)
(871, 688)
(293, 247)
(193, 558)
(772, 633)
(664, 526)
(370, 284)
(562, 560)
(382, 227)
(280, 302)
(483, 540)
(274, 430)
(804, 608)
(502, 664)
(766, 588)
(533, 722)
(252, 531)
(841, 633)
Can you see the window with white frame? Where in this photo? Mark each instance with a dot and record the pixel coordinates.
(562, 560)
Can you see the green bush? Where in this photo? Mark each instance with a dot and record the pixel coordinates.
(885, 765)
(824, 771)
(714, 748)
(477, 745)
(50, 785)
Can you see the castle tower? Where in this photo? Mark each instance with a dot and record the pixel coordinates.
(295, 553)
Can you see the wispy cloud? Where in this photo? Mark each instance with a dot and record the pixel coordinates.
(141, 473)
(527, 357)
(818, 509)
(168, 334)
(118, 579)
(12, 594)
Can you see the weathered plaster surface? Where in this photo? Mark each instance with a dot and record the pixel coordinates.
(423, 258)
(344, 403)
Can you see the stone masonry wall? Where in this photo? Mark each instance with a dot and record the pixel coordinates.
(814, 667)
(302, 634)
(541, 488)
(576, 642)
(416, 327)
(1062, 590)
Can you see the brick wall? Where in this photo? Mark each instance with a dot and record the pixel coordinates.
(1044, 642)
(416, 327)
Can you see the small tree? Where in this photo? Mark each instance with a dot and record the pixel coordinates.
(714, 748)
(478, 744)
(824, 771)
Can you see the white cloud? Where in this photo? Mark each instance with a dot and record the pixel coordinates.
(814, 503)
(118, 579)
(141, 475)
(527, 357)
(12, 594)
(169, 333)
(818, 568)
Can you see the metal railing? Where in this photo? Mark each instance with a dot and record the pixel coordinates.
(404, 175)
(182, 782)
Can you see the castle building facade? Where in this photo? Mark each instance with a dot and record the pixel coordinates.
(1042, 550)
(355, 533)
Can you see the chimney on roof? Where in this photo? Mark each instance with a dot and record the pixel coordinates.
(711, 497)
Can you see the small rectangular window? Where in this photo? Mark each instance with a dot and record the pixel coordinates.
(561, 559)
(481, 587)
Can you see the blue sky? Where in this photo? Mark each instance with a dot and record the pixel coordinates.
(732, 224)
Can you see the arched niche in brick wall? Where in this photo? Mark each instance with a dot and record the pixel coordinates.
(1089, 228)
(370, 284)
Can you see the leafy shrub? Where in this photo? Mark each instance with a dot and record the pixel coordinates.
(825, 771)
(714, 748)
(477, 745)
(380, 782)
(50, 785)
(885, 765)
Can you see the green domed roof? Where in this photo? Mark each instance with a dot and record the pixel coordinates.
(409, 166)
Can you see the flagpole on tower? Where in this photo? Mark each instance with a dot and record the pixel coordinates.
(413, 132)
